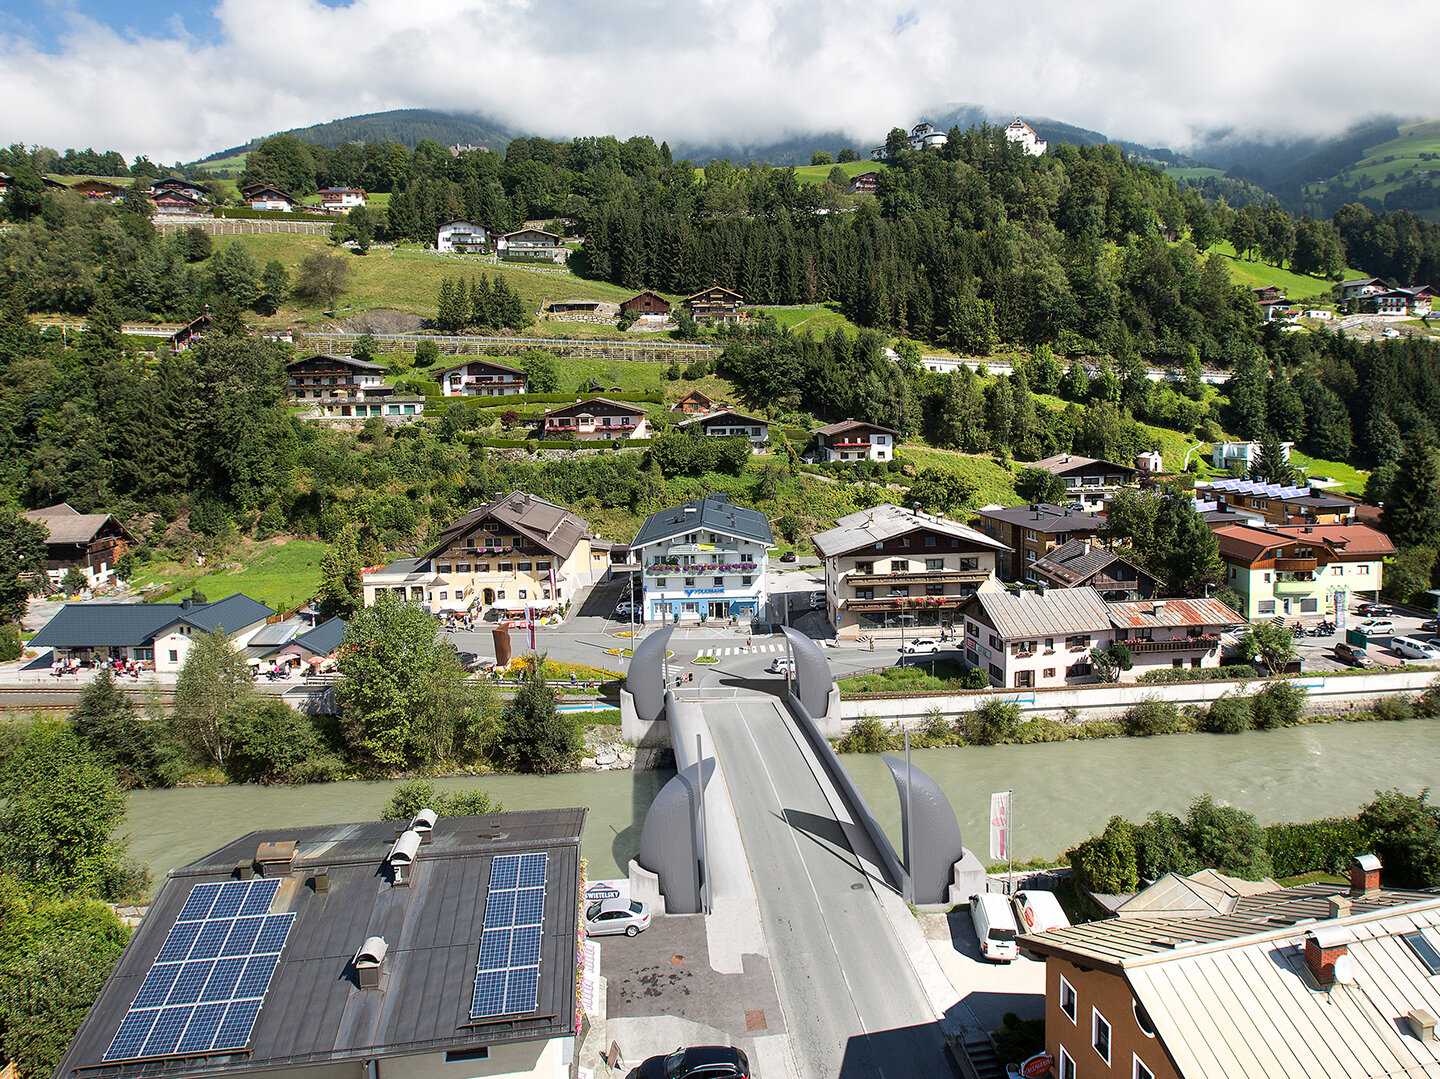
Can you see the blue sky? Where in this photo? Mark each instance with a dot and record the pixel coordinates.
(90, 72)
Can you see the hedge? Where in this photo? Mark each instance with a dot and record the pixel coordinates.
(247, 214)
(552, 443)
(1328, 844)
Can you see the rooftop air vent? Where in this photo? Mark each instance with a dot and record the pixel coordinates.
(273, 859)
(424, 823)
(1421, 1023)
(402, 857)
(369, 961)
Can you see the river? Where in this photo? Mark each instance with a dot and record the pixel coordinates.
(1063, 790)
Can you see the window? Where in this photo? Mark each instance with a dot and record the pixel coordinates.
(1067, 1065)
(446, 595)
(954, 542)
(1049, 672)
(747, 580)
(997, 674)
(929, 541)
(934, 589)
(934, 563)
(1267, 606)
(470, 543)
(1140, 1071)
(1078, 642)
(1031, 535)
(482, 567)
(904, 541)
(902, 591)
(1362, 570)
(690, 581)
(970, 563)
(1423, 949)
(1024, 679)
(719, 582)
(547, 593)
(442, 567)
(174, 656)
(864, 567)
(995, 642)
(864, 593)
(1267, 578)
(462, 567)
(899, 565)
(1100, 1034)
(659, 582)
(543, 567)
(458, 1055)
(524, 567)
(1142, 1019)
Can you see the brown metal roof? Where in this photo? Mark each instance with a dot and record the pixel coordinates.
(545, 524)
(1347, 541)
(1162, 613)
(1247, 543)
(886, 521)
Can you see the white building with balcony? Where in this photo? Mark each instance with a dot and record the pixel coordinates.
(889, 567)
(465, 238)
(481, 378)
(853, 440)
(704, 560)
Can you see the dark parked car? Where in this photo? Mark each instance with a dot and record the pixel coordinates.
(788, 556)
(469, 660)
(1375, 610)
(698, 1062)
(1352, 655)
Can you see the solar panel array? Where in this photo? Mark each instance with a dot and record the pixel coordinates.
(204, 991)
(507, 978)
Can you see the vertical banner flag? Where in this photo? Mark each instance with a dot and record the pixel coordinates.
(530, 625)
(554, 592)
(1000, 825)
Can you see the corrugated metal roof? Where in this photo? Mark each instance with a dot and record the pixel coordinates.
(1058, 612)
(1171, 613)
(710, 513)
(721, 414)
(886, 521)
(1045, 517)
(1206, 892)
(313, 1013)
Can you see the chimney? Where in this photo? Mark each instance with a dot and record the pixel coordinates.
(1339, 906)
(274, 859)
(185, 603)
(1364, 875)
(402, 858)
(1327, 952)
(424, 823)
(1040, 588)
(321, 880)
(1421, 1023)
(1084, 547)
(369, 961)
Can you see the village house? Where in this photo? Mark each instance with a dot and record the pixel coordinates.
(481, 378)
(1082, 563)
(1302, 569)
(178, 202)
(714, 304)
(180, 186)
(514, 554)
(1018, 131)
(344, 388)
(925, 135)
(727, 423)
(695, 402)
(647, 306)
(1277, 504)
(702, 560)
(1170, 633)
(1241, 455)
(89, 542)
(464, 238)
(266, 197)
(338, 199)
(307, 948)
(595, 418)
(1357, 287)
(295, 645)
(531, 245)
(864, 183)
(157, 635)
(1310, 980)
(1087, 479)
(1029, 533)
(191, 332)
(1414, 301)
(853, 440)
(98, 191)
(1150, 462)
(888, 566)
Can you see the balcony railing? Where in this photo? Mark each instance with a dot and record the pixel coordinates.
(1297, 565)
(1176, 644)
(851, 445)
(699, 569)
(1297, 587)
(959, 576)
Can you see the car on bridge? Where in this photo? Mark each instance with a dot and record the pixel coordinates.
(698, 1062)
(611, 917)
(921, 645)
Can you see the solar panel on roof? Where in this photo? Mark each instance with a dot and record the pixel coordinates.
(507, 976)
(204, 991)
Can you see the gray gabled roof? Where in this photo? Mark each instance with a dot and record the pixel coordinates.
(1057, 613)
(313, 1013)
(324, 638)
(132, 625)
(1043, 517)
(712, 513)
(886, 521)
(723, 414)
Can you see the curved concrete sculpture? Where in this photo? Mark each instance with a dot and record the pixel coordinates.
(670, 840)
(813, 681)
(932, 835)
(645, 681)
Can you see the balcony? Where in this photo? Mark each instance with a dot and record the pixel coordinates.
(1296, 565)
(1177, 644)
(850, 445)
(1297, 587)
(930, 576)
(896, 604)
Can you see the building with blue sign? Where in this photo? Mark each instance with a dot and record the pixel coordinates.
(703, 560)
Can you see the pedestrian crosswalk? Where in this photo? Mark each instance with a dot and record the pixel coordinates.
(741, 650)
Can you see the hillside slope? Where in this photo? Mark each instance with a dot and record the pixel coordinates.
(407, 126)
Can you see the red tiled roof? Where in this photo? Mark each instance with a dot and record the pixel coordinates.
(1350, 541)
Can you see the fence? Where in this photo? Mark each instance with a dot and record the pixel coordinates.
(240, 226)
(1326, 693)
(341, 344)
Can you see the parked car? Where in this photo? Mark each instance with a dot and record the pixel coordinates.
(817, 599)
(698, 1062)
(782, 665)
(611, 917)
(995, 927)
(1377, 627)
(1432, 626)
(1037, 911)
(1375, 610)
(920, 644)
(789, 556)
(1416, 648)
(627, 612)
(1352, 655)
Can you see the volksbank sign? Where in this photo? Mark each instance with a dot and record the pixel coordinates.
(704, 591)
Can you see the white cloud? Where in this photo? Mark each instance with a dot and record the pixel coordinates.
(747, 70)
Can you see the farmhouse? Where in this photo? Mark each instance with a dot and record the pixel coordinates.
(481, 378)
(341, 198)
(344, 388)
(647, 306)
(852, 440)
(865, 183)
(714, 304)
(529, 244)
(595, 418)
(266, 197)
(463, 237)
(578, 309)
(694, 402)
(180, 186)
(728, 422)
(1088, 479)
(89, 542)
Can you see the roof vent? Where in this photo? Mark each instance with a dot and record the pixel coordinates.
(424, 823)
(1327, 954)
(402, 857)
(369, 961)
(274, 859)
(321, 880)
(1421, 1023)
(1339, 906)
(1365, 875)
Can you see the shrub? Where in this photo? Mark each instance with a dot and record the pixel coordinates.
(11, 647)
(1019, 1039)
(1161, 847)
(1230, 714)
(416, 794)
(935, 730)
(1151, 716)
(1228, 839)
(1405, 832)
(1397, 707)
(276, 744)
(1279, 704)
(1327, 844)
(867, 735)
(993, 722)
(1105, 863)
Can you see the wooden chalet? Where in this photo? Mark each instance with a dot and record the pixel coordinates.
(98, 191)
(595, 418)
(481, 378)
(188, 334)
(647, 304)
(695, 403)
(714, 304)
(89, 542)
(267, 197)
(179, 186)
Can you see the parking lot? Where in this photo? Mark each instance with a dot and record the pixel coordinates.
(1318, 653)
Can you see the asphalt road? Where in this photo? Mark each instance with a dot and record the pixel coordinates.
(852, 1004)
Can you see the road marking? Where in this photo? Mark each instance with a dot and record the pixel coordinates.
(741, 650)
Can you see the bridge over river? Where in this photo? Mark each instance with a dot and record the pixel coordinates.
(762, 825)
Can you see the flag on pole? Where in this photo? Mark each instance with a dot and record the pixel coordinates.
(530, 625)
(1000, 825)
(554, 589)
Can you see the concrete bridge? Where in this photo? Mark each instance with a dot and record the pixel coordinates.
(761, 827)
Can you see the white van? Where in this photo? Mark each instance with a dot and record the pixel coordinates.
(994, 926)
(1038, 911)
(1415, 648)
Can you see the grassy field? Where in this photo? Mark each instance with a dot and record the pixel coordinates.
(818, 174)
(1180, 174)
(1259, 274)
(375, 200)
(996, 483)
(282, 573)
(818, 319)
(1352, 478)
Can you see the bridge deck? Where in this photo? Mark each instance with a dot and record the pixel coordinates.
(853, 1005)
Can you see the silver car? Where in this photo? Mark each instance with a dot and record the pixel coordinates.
(611, 917)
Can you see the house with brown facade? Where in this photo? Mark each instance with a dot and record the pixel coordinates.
(726, 423)
(98, 191)
(595, 418)
(1082, 562)
(647, 306)
(1087, 479)
(890, 564)
(267, 197)
(695, 402)
(1277, 504)
(714, 304)
(341, 199)
(346, 389)
(865, 183)
(481, 378)
(1031, 532)
(534, 245)
(855, 440)
(180, 186)
(89, 542)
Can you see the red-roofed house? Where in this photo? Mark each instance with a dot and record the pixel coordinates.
(1302, 569)
(595, 418)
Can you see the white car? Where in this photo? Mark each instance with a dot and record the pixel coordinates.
(1416, 648)
(782, 665)
(920, 644)
(1377, 627)
(1037, 911)
(627, 612)
(611, 917)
